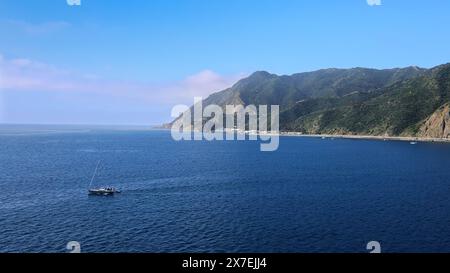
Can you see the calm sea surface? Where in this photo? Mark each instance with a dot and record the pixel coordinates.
(312, 195)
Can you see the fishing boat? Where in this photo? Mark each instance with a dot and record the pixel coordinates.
(104, 191)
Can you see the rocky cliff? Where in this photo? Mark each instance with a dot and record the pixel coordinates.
(438, 124)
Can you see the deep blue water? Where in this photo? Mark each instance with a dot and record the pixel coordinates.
(312, 195)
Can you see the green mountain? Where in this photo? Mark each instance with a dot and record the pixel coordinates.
(408, 101)
(401, 108)
(265, 88)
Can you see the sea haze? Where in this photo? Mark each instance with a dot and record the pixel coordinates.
(312, 195)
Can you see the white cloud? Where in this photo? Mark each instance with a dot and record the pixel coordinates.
(201, 84)
(22, 74)
(374, 2)
(25, 74)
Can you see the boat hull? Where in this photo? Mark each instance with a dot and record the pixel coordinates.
(103, 192)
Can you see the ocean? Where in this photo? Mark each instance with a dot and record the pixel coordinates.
(311, 195)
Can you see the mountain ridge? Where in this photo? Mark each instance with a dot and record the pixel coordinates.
(359, 101)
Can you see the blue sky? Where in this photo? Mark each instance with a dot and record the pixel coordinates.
(130, 62)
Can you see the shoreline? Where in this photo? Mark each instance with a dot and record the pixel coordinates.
(363, 137)
(368, 137)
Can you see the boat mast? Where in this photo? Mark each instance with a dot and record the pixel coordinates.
(92, 179)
